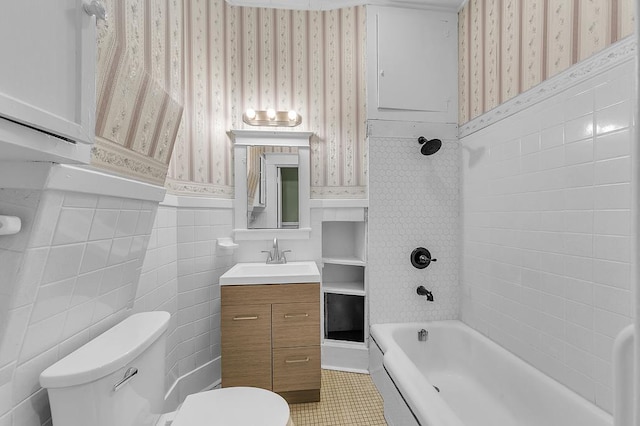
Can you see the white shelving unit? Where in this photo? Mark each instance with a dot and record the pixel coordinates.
(344, 289)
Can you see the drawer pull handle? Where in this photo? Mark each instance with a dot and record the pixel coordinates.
(255, 317)
(295, 361)
(296, 315)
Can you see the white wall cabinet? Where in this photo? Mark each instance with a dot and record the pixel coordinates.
(412, 55)
(47, 80)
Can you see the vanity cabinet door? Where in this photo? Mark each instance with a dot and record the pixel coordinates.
(246, 345)
(296, 369)
(295, 324)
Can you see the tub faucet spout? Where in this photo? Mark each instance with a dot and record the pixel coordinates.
(424, 292)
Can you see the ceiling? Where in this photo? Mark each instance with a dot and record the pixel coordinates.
(335, 4)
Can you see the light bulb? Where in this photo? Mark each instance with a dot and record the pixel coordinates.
(271, 114)
(293, 115)
(250, 113)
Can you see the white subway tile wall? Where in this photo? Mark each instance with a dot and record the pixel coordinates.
(414, 202)
(15, 300)
(158, 285)
(181, 275)
(546, 231)
(74, 270)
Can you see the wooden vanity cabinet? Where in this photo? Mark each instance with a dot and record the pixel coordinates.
(271, 338)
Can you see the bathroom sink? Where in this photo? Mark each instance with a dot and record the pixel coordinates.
(264, 273)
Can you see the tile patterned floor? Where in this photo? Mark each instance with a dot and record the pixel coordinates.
(346, 399)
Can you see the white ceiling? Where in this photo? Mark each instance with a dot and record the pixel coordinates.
(335, 4)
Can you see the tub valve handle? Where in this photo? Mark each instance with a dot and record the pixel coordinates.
(421, 258)
(424, 292)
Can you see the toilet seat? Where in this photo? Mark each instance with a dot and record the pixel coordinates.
(235, 406)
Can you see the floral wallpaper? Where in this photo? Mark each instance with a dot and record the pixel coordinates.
(140, 87)
(241, 57)
(174, 76)
(508, 46)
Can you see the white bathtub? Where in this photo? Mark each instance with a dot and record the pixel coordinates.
(480, 383)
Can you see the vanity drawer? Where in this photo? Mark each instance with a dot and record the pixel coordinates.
(270, 293)
(295, 324)
(246, 346)
(296, 368)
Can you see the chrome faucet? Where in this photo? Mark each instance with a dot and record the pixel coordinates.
(275, 255)
(423, 335)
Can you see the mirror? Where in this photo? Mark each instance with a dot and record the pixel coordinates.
(272, 183)
(272, 187)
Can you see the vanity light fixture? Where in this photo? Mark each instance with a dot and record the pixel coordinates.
(271, 117)
(250, 113)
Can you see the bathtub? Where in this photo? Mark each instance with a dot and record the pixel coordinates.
(478, 382)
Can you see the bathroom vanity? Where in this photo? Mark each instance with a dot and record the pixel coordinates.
(270, 329)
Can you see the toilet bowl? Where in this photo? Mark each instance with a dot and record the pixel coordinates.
(238, 406)
(118, 379)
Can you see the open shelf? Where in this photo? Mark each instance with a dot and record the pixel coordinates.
(343, 241)
(343, 278)
(344, 260)
(344, 317)
(350, 287)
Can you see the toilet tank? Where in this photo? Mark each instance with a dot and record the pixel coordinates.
(82, 385)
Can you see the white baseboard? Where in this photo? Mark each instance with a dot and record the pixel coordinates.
(353, 358)
(203, 378)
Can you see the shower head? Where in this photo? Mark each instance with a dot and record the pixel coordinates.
(429, 146)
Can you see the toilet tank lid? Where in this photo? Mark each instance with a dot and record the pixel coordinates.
(108, 352)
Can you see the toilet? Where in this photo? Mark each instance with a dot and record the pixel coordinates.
(118, 379)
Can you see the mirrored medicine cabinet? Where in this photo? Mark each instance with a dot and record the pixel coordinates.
(272, 184)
